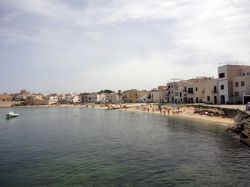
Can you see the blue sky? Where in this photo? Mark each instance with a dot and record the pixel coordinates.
(75, 46)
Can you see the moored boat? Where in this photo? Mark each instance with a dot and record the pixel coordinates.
(11, 115)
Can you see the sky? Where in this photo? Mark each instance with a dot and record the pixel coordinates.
(88, 45)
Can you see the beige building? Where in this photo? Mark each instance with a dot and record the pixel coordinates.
(158, 96)
(35, 99)
(200, 89)
(132, 96)
(112, 98)
(232, 83)
(6, 98)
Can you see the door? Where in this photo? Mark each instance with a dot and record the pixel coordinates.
(222, 99)
(215, 99)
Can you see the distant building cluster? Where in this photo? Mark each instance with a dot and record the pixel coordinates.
(231, 87)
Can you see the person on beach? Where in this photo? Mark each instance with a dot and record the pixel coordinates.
(178, 110)
(148, 109)
(168, 111)
(164, 112)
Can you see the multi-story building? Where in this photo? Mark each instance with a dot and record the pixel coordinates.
(112, 98)
(172, 91)
(73, 99)
(196, 90)
(132, 96)
(202, 89)
(233, 83)
(158, 96)
(95, 98)
(51, 99)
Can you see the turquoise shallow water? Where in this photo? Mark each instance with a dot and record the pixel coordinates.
(85, 147)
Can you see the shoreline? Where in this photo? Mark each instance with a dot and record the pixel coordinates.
(227, 122)
(185, 112)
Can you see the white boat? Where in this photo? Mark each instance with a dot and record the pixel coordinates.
(11, 115)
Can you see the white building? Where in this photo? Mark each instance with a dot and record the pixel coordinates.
(144, 99)
(96, 98)
(72, 98)
(51, 99)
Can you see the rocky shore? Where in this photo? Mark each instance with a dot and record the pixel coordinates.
(242, 127)
(241, 121)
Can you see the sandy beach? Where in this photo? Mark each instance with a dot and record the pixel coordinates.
(182, 112)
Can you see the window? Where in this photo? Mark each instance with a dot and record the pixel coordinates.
(236, 94)
(248, 73)
(221, 75)
(243, 74)
(222, 87)
(215, 89)
(242, 83)
(196, 89)
(208, 98)
(190, 90)
(236, 84)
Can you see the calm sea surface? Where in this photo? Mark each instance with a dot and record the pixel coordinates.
(86, 147)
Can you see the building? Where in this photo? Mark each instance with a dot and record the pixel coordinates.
(72, 98)
(84, 97)
(112, 98)
(233, 83)
(94, 98)
(196, 90)
(144, 99)
(158, 96)
(132, 96)
(6, 98)
(51, 99)
(175, 91)
(35, 99)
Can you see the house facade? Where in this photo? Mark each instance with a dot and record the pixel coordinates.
(132, 96)
(196, 90)
(233, 83)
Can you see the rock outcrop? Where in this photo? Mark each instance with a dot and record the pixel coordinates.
(209, 112)
(241, 118)
(242, 127)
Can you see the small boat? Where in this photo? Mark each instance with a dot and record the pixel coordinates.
(11, 115)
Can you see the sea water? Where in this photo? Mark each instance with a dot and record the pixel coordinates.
(90, 147)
